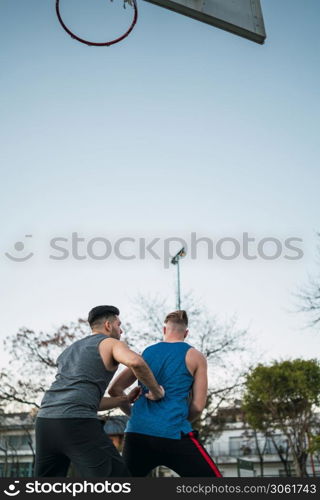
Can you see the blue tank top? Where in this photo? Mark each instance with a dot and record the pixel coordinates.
(168, 417)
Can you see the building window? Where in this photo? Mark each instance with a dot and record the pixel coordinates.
(235, 446)
(243, 446)
(281, 443)
(23, 469)
(20, 470)
(15, 442)
(239, 447)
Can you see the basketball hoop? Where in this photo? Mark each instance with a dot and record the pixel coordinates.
(133, 3)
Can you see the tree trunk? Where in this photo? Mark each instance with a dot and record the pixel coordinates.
(261, 467)
(260, 453)
(301, 465)
(284, 460)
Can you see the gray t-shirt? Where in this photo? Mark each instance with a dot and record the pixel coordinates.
(80, 383)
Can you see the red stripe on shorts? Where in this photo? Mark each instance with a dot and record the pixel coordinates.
(205, 455)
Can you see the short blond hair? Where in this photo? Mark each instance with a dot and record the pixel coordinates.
(177, 317)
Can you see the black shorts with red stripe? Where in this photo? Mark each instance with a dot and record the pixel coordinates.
(186, 456)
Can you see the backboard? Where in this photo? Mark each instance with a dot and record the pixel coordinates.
(242, 17)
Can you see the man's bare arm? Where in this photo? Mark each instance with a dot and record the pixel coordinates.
(121, 353)
(113, 402)
(117, 387)
(200, 386)
(123, 401)
(122, 382)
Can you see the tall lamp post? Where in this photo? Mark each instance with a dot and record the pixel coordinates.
(175, 261)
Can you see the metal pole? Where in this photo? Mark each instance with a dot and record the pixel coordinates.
(178, 286)
(176, 262)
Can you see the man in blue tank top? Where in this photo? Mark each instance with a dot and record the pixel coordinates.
(67, 426)
(160, 432)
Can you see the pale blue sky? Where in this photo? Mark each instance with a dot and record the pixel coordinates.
(179, 128)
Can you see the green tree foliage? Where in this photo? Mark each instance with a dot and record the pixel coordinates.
(284, 396)
(314, 447)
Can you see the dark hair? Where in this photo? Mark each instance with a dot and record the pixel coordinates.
(178, 317)
(98, 313)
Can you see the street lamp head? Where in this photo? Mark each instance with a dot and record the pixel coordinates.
(182, 253)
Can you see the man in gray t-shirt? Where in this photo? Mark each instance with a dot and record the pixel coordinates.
(67, 426)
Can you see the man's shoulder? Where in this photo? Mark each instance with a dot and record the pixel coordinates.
(93, 337)
(75, 344)
(158, 346)
(110, 341)
(198, 356)
(153, 347)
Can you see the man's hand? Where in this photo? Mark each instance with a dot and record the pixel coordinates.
(155, 395)
(129, 399)
(134, 394)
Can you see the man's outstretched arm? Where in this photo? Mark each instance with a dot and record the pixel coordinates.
(123, 401)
